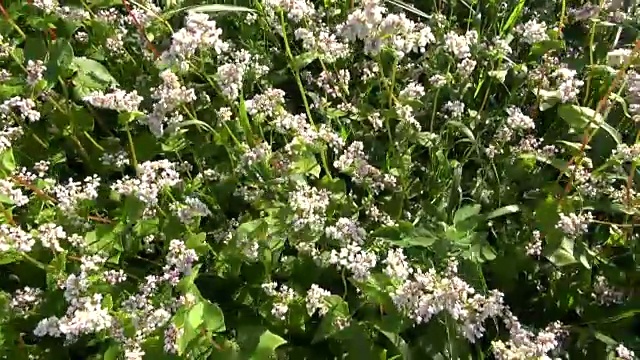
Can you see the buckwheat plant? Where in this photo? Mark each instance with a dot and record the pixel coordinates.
(307, 179)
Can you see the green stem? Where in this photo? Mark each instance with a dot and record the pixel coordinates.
(134, 159)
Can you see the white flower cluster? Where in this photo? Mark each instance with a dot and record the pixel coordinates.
(454, 108)
(74, 14)
(428, 294)
(283, 296)
(324, 43)
(153, 177)
(169, 96)
(147, 312)
(604, 293)
(50, 235)
(191, 208)
(532, 31)
(315, 300)
(355, 162)
(251, 156)
(13, 193)
(230, 75)
(13, 238)
(412, 91)
(534, 247)
(118, 159)
(71, 194)
(519, 121)
(180, 258)
(117, 99)
(25, 300)
(568, 85)
(8, 135)
(354, 259)
(460, 45)
(574, 225)
(406, 116)
(626, 153)
(633, 94)
(268, 104)
(309, 205)
(623, 353)
(397, 266)
(199, 33)
(85, 315)
(346, 231)
(296, 10)
(24, 108)
(396, 32)
(524, 344)
(35, 71)
(171, 336)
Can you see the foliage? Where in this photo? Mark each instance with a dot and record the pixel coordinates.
(319, 179)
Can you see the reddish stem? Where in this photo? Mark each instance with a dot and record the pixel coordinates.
(140, 29)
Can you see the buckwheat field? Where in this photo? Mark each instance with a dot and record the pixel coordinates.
(319, 179)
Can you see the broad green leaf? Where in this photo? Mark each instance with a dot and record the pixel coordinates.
(213, 317)
(196, 315)
(563, 255)
(339, 310)
(93, 69)
(307, 165)
(258, 343)
(466, 212)
(60, 58)
(548, 98)
(541, 48)
(463, 128)
(112, 353)
(580, 117)
(90, 76)
(301, 61)
(505, 210)
(35, 48)
(7, 161)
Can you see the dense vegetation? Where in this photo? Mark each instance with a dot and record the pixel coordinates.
(300, 179)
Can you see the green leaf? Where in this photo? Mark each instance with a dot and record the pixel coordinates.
(93, 69)
(91, 76)
(307, 165)
(7, 161)
(35, 48)
(258, 343)
(196, 315)
(580, 117)
(213, 317)
(466, 212)
(548, 98)
(60, 58)
(513, 18)
(563, 256)
(339, 309)
(540, 48)
(463, 128)
(505, 210)
(301, 61)
(112, 352)
(198, 243)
